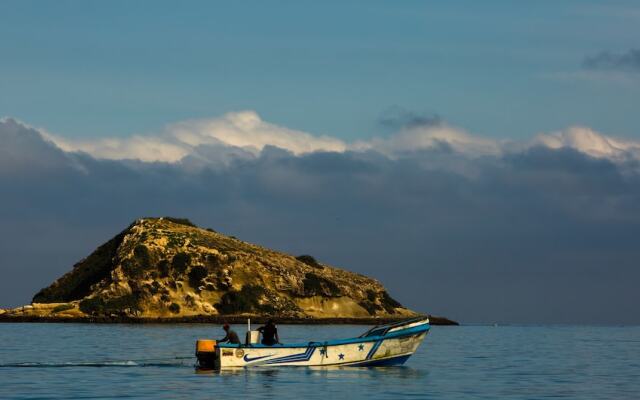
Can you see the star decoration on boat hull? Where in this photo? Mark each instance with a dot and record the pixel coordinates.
(341, 356)
(360, 347)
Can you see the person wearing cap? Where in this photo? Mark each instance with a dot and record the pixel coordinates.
(232, 336)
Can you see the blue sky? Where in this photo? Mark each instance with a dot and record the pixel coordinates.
(503, 69)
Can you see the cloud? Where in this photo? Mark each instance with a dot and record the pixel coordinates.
(469, 227)
(397, 118)
(243, 130)
(429, 137)
(143, 148)
(592, 143)
(248, 131)
(608, 61)
(604, 67)
(244, 135)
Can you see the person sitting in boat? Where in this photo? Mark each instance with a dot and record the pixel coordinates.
(232, 336)
(269, 333)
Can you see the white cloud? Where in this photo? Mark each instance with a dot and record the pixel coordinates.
(247, 130)
(244, 130)
(244, 134)
(144, 148)
(429, 137)
(588, 141)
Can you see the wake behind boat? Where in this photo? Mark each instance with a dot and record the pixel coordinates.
(383, 345)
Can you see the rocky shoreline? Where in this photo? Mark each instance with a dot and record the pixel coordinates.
(209, 319)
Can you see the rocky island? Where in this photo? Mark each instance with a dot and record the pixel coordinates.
(169, 270)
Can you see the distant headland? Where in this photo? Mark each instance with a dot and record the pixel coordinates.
(169, 270)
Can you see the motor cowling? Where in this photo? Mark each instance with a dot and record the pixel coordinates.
(206, 353)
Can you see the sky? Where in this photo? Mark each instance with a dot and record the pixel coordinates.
(481, 159)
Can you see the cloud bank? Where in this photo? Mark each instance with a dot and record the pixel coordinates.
(245, 135)
(473, 228)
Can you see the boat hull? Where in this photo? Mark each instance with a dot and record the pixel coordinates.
(393, 347)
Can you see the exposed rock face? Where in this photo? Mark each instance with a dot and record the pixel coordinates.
(167, 267)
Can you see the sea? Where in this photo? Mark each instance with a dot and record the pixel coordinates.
(112, 361)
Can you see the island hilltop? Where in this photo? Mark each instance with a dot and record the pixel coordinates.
(168, 269)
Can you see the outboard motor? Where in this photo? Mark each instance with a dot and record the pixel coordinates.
(206, 353)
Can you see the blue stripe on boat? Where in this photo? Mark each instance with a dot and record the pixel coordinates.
(306, 356)
(373, 350)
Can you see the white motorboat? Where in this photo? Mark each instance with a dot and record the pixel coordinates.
(383, 345)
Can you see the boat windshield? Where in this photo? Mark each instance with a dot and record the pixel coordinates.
(381, 330)
(376, 332)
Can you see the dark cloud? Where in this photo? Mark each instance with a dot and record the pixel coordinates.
(535, 236)
(625, 62)
(396, 118)
(23, 148)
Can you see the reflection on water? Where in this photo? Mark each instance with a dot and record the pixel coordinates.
(399, 372)
(157, 361)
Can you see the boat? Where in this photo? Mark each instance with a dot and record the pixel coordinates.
(383, 345)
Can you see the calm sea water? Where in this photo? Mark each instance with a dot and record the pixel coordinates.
(39, 361)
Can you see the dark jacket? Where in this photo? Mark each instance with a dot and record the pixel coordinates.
(232, 337)
(269, 334)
